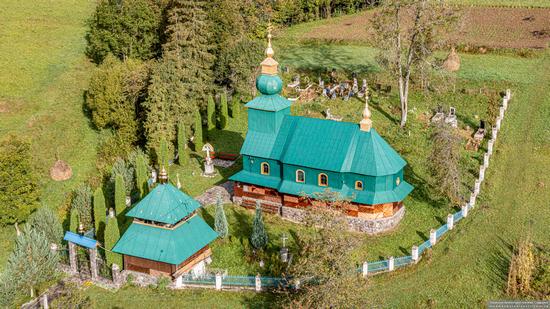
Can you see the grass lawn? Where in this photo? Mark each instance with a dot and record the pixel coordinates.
(44, 72)
(504, 3)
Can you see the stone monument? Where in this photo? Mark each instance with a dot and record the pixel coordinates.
(209, 170)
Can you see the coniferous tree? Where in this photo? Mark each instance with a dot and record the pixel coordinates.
(46, 221)
(236, 108)
(224, 111)
(211, 114)
(73, 220)
(188, 42)
(163, 157)
(19, 191)
(82, 202)
(198, 139)
(112, 235)
(259, 235)
(126, 170)
(120, 196)
(221, 225)
(100, 213)
(141, 175)
(183, 155)
(32, 261)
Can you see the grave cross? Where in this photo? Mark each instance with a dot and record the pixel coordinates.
(284, 238)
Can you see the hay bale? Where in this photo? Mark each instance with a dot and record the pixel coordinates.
(452, 63)
(61, 171)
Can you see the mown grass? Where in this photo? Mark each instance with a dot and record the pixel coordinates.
(44, 73)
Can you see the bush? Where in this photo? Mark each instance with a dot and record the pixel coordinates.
(46, 221)
(82, 203)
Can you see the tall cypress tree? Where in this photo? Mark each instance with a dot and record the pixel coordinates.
(120, 196)
(100, 212)
(73, 220)
(224, 111)
(258, 239)
(236, 108)
(112, 235)
(211, 114)
(221, 225)
(183, 155)
(141, 175)
(188, 41)
(198, 139)
(164, 154)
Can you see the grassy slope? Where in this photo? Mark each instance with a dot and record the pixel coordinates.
(505, 3)
(44, 73)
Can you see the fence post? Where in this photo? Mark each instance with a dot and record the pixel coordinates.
(464, 210)
(179, 281)
(117, 278)
(499, 123)
(490, 145)
(505, 102)
(472, 200)
(477, 186)
(494, 133)
(501, 112)
(218, 281)
(414, 253)
(365, 269)
(508, 94)
(391, 264)
(44, 302)
(433, 238)
(72, 257)
(93, 263)
(486, 158)
(450, 221)
(258, 283)
(481, 173)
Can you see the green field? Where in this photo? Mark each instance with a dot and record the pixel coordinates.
(504, 3)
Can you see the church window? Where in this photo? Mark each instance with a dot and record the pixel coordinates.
(359, 185)
(300, 176)
(265, 168)
(323, 180)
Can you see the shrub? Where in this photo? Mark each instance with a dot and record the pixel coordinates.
(82, 203)
(46, 221)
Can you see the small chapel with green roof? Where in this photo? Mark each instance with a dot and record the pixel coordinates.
(287, 159)
(166, 237)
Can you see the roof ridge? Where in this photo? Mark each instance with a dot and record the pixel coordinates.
(350, 155)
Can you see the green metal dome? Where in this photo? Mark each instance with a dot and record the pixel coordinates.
(269, 84)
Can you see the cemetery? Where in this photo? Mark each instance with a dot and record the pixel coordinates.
(219, 212)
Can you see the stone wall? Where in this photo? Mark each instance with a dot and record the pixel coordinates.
(369, 226)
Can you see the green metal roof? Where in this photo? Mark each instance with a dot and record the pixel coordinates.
(164, 245)
(260, 180)
(165, 203)
(273, 102)
(380, 197)
(326, 145)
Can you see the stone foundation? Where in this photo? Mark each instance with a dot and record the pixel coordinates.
(358, 224)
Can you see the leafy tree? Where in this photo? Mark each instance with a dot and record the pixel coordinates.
(46, 221)
(198, 139)
(221, 225)
(408, 31)
(19, 191)
(120, 196)
(127, 29)
(258, 239)
(126, 170)
(183, 154)
(73, 220)
(224, 111)
(82, 202)
(211, 114)
(323, 262)
(112, 235)
(444, 162)
(32, 261)
(100, 212)
(114, 98)
(188, 43)
(141, 175)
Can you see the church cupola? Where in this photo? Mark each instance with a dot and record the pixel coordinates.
(366, 122)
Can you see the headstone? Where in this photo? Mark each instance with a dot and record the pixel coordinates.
(93, 264)
(284, 254)
(414, 253)
(258, 283)
(208, 163)
(451, 118)
(218, 281)
(433, 237)
(365, 269)
(72, 258)
(450, 221)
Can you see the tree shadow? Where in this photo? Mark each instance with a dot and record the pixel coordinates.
(242, 228)
(207, 217)
(422, 235)
(404, 250)
(421, 190)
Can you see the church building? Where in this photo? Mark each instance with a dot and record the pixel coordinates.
(287, 157)
(167, 237)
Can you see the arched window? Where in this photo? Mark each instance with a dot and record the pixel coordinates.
(265, 168)
(359, 185)
(323, 180)
(300, 176)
